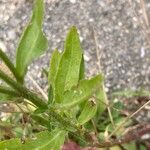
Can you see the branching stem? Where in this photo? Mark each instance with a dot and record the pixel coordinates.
(10, 65)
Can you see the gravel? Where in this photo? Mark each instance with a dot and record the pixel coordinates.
(111, 27)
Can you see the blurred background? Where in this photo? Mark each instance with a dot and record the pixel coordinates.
(115, 37)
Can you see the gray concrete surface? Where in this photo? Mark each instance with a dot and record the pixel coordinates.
(124, 50)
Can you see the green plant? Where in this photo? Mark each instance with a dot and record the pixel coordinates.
(75, 105)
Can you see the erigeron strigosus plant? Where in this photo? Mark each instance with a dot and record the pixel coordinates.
(75, 104)
(72, 99)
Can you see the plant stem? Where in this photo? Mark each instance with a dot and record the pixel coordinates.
(8, 91)
(23, 91)
(83, 135)
(62, 120)
(39, 102)
(100, 71)
(10, 65)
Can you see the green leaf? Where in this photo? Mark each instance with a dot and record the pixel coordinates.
(55, 59)
(46, 141)
(69, 66)
(33, 42)
(88, 112)
(12, 144)
(54, 63)
(84, 90)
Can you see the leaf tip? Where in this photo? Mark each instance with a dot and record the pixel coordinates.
(73, 29)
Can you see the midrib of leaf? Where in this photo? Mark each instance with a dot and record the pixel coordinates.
(69, 67)
(34, 41)
(43, 146)
(68, 105)
(65, 83)
(93, 85)
(31, 46)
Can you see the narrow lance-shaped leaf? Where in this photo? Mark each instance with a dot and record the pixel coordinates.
(88, 112)
(46, 141)
(69, 66)
(42, 141)
(54, 63)
(84, 90)
(33, 42)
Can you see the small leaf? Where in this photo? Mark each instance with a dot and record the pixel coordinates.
(46, 141)
(12, 144)
(84, 90)
(56, 55)
(69, 66)
(54, 63)
(33, 42)
(88, 112)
